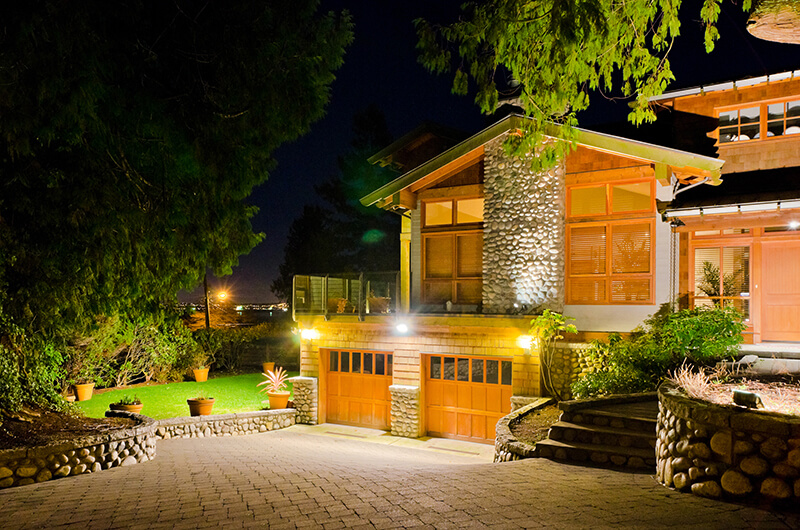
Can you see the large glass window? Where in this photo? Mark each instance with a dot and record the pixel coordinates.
(722, 277)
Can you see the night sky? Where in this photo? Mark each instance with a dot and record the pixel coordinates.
(381, 67)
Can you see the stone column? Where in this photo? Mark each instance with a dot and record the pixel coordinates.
(523, 235)
(405, 411)
(306, 399)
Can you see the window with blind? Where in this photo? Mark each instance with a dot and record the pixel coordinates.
(452, 267)
(610, 263)
(722, 277)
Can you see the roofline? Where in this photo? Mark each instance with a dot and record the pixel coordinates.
(604, 142)
(742, 207)
(729, 85)
(410, 136)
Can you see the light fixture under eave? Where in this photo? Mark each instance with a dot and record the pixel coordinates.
(309, 334)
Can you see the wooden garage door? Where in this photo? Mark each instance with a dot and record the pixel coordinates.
(466, 396)
(781, 293)
(358, 388)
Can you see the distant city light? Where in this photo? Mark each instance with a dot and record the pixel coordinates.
(222, 295)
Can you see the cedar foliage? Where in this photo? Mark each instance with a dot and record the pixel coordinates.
(559, 51)
(132, 133)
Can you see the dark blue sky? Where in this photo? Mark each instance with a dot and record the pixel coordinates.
(381, 67)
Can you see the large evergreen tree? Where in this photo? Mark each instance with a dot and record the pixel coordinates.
(342, 235)
(131, 134)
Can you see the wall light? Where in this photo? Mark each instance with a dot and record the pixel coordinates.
(525, 342)
(309, 334)
(794, 225)
(402, 327)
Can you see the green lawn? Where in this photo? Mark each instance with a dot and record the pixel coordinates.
(237, 393)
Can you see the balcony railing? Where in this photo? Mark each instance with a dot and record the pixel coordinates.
(368, 293)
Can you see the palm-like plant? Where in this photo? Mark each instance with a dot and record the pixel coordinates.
(275, 381)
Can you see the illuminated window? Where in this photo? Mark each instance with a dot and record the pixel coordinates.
(627, 197)
(722, 278)
(469, 211)
(739, 125)
(440, 213)
(768, 120)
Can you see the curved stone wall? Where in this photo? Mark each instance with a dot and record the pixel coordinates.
(506, 446)
(727, 452)
(123, 447)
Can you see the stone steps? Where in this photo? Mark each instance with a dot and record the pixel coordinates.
(576, 433)
(601, 455)
(618, 432)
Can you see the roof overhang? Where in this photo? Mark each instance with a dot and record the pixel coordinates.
(398, 193)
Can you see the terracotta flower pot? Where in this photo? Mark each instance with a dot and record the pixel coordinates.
(200, 407)
(200, 374)
(83, 392)
(267, 367)
(278, 400)
(136, 409)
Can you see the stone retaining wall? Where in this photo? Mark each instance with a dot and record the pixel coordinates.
(506, 446)
(727, 452)
(225, 424)
(123, 447)
(305, 399)
(405, 410)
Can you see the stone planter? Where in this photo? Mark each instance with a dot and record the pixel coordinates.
(727, 452)
(200, 407)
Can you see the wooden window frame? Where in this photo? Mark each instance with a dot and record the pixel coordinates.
(454, 214)
(762, 121)
(720, 243)
(454, 280)
(608, 275)
(609, 186)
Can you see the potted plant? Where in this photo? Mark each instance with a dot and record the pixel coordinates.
(84, 391)
(267, 366)
(200, 373)
(201, 405)
(128, 404)
(276, 388)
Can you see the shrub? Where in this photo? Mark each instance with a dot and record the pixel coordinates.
(700, 336)
(547, 328)
(225, 347)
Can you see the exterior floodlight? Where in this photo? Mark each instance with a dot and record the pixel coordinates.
(402, 328)
(524, 342)
(794, 225)
(309, 334)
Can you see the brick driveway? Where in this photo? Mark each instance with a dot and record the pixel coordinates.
(295, 479)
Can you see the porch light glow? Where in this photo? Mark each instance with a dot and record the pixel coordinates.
(794, 225)
(524, 342)
(309, 334)
(402, 327)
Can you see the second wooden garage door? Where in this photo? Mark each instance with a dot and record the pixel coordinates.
(466, 396)
(358, 388)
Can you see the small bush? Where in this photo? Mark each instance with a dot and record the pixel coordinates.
(225, 347)
(700, 336)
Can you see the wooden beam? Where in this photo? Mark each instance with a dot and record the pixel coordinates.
(737, 220)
